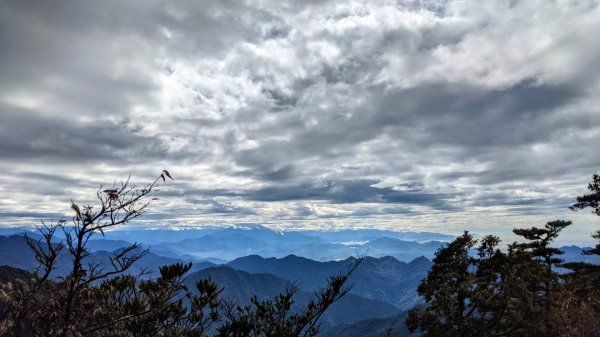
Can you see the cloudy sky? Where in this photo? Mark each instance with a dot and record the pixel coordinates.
(406, 115)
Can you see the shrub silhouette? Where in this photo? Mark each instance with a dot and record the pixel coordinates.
(93, 300)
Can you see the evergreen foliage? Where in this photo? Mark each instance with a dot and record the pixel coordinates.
(511, 292)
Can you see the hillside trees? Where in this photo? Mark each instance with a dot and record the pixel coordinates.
(582, 286)
(476, 289)
(490, 293)
(94, 300)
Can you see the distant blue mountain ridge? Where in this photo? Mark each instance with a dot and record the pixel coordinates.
(381, 287)
(256, 260)
(221, 244)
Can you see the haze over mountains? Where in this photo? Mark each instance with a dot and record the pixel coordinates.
(219, 245)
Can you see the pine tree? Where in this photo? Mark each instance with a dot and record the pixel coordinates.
(586, 277)
(512, 293)
(484, 291)
(591, 200)
(581, 287)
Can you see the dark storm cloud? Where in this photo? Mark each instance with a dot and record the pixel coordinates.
(212, 206)
(42, 177)
(30, 134)
(340, 192)
(284, 172)
(473, 117)
(32, 215)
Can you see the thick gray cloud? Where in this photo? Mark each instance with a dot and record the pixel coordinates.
(434, 115)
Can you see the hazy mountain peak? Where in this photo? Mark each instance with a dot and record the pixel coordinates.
(422, 260)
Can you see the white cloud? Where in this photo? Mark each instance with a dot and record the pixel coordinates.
(485, 106)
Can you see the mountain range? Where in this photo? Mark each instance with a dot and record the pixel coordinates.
(385, 279)
(224, 244)
(262, 262)
(239, 286)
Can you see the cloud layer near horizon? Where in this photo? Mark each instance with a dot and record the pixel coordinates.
(440, 115)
